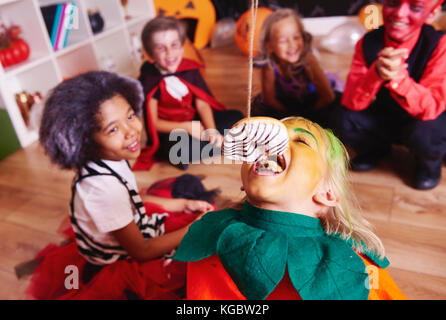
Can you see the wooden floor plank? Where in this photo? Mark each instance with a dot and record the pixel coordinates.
(19, 244)
(41, 212)
(414, 248)
(11, 288)
(375, 201)
(419, 286)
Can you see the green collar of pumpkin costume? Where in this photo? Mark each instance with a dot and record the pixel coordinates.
(256, 246)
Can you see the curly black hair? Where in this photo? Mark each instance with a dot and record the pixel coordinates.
(70, 120)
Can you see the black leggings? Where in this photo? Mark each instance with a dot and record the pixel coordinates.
(374, 130)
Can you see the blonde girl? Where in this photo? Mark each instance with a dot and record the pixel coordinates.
(293, 82)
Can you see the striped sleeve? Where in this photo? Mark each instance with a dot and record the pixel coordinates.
(107, 202)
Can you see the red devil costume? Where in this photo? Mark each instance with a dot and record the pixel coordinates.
(408, 111)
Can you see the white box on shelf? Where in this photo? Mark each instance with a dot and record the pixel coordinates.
(74, 62)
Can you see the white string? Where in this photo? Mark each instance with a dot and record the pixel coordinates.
(254, 6)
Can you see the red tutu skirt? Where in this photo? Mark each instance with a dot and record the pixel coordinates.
(61, 272)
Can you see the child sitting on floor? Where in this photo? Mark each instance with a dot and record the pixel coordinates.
(396, 92)
(299, 235)
(177, 97)
(293, 82)
(90, 123)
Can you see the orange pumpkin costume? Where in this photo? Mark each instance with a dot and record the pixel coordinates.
(225, 251)
(208, 280)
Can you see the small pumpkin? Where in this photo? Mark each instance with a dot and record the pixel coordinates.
(200, 11)
(243, 29)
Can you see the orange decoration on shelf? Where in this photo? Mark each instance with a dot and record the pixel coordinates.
(201, 14)
(191, 52)
(370, 16)
(243, 29)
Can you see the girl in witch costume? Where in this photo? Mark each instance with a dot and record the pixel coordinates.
(298, 235)
(293, 82)
(90, 124)
(177, 97)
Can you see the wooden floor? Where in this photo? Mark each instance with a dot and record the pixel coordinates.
(34, 196)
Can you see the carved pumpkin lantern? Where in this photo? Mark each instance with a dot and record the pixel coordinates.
(243, 29)
(370, 16)
(199, 15)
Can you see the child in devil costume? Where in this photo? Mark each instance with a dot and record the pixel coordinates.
(298, 235)
(177, 97)
(396, 92)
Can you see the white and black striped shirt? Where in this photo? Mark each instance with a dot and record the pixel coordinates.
(105, 198)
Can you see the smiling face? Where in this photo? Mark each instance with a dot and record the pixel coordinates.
(119, 131)
(403, 18)
(167, 49)
(303, 165)
(286, 41)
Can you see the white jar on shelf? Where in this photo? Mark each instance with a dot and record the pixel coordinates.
(137, 52)
(108, 64)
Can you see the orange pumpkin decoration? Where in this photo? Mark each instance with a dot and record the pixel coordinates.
(201, 12)
(243, 29)
(370, 16)
(191, 52)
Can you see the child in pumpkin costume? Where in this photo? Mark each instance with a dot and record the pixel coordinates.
(297, 236)
(177, 97)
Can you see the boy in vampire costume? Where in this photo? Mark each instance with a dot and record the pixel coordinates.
(177, 97)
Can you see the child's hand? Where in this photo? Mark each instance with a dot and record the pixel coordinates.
(194, 128)
(214, 137)
(197, 206)
(391, 62)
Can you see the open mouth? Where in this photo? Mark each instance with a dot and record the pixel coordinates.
(133, 147)
(397, 24)
(171, 62)
(270, 165)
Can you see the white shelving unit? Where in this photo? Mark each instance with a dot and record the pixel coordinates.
(85, 51)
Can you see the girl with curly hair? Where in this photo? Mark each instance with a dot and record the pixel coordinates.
(90, 123)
